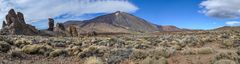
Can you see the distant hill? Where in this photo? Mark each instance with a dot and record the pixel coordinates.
(118, 22)
(228, 28)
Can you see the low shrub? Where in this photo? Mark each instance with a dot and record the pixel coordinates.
(97, 51)
(206, 50)
(149, 60)
(93, 60)
(138, 54)
(58, 52)
(4, 46)
(225, 62)
(227, 56)
(193, 51)
(37, 49)
(74, 50)
(16, 53)
(161, 52)
(22, 42)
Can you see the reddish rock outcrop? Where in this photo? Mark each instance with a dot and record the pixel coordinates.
(72, 30)
(16, 25)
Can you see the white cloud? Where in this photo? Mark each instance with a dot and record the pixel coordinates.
(223, 9)
(233, 23)
(35, 10)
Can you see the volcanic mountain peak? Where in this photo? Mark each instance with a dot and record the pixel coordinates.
(118, 22)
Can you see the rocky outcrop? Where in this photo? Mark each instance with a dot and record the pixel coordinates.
(72, 30)
(60, 30)
(4, 24)
(16, 25)
(50, 24)
(60, 26)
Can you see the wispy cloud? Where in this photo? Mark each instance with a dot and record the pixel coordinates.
(223, 9)
(233, 23)
(37, 10)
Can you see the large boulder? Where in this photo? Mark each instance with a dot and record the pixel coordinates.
(16, 25)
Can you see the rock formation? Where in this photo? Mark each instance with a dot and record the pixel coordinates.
(60, 26)
(16, 25)
(72, 30)
(60, 30)
(50, 24)
(4, 24)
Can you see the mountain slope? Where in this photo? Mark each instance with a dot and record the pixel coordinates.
(118, 22)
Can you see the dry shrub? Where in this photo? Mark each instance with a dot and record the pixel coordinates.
(227, 43)
(22, 42)
(16, 53)
(161, 52)
(37, 49)
(226, 55)
(58, 52)
(225, 62)
(74, 50)
(138, 54)
(93, 51)
(93, 60)
(206, 50)
(149, 60)
(189, 51)
(127, 62)
(193, 51)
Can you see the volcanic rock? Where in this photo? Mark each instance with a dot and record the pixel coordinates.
(60, 30)
(16, 25)
(72, 30)
(4, 24)
(50, 24)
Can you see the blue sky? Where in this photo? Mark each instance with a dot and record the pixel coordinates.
(191, 14)
(180, 13)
